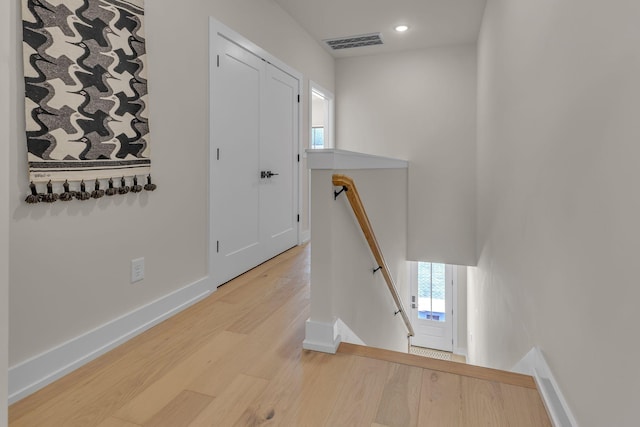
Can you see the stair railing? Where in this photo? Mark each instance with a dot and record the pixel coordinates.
(349, 188)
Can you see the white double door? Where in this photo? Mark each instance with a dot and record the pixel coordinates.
(254, 170)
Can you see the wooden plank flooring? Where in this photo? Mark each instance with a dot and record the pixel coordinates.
(236, 359)
(440, 365)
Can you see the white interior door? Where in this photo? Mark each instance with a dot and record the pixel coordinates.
(253, 161)
(236, 184)
(432, 305)
(278, 159)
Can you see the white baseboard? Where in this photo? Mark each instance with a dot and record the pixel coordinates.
(31, 375)
(305, 236)
(534, 364)
(320, 336)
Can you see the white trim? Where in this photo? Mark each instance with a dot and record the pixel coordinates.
(209, 228)
(329, 114)
(341, 159)
(300, 169)
(454, 307)
(305, 236)
(217, 27)
(31, 375)
(534, 364)
(320, 336)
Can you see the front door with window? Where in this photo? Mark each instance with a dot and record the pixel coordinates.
(431, 305)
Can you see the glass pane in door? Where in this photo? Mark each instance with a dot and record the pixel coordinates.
(431, 291)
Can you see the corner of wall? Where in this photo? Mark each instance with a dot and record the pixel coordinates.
(5, 84)
(347, 334)
(533, 363)
(342, 284)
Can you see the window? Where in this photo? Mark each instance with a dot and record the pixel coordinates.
(431, 291)
(317, 137)
(321, 117)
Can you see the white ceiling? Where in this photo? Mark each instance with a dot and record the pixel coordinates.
(431, 22)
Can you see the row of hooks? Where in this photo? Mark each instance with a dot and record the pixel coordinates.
(83, 194)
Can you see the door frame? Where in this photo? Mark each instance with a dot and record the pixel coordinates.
(217, 28)
(329, 113)
(413, 283)
(331, 134)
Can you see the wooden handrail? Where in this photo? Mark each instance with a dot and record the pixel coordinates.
(351, 191)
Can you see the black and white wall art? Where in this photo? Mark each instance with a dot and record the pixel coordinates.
(86, 97)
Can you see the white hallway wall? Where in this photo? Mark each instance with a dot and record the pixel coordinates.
(558, 230)
(419, 106)
(70, 262)
(342, 283)
(5, 49)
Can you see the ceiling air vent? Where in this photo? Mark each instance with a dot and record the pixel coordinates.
(354, 41)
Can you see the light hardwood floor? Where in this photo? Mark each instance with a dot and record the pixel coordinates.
(236, 359)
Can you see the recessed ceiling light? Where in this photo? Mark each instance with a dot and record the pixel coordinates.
(401, 28)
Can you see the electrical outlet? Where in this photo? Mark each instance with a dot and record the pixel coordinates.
(137, 269)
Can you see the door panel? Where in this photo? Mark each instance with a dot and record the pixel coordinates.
(431, 305)
(278, 196)
(236, 201)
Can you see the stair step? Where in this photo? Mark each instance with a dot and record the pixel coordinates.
(478, 372)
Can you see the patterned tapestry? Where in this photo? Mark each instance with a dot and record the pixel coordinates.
(86, 97)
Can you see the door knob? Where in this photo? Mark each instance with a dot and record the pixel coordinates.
(267, 174)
